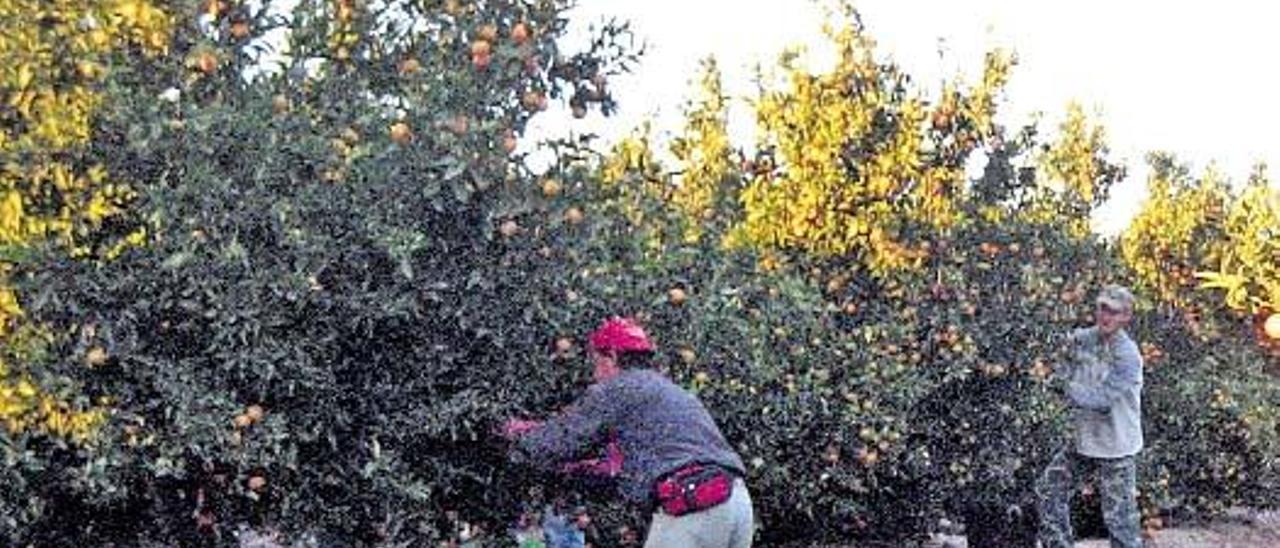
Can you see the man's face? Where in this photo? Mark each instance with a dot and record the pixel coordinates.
(1111, 319)
(604, 364)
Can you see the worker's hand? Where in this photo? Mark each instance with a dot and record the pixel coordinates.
(514, 428)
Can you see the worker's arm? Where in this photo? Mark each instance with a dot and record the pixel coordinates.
(1122, 381)
(607, 466)
(568, 436)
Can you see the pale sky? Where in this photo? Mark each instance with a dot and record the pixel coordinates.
(1195, 78)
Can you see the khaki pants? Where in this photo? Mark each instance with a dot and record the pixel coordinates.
(729, 525)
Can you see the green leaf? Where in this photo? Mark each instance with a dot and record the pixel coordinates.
(176, 260)
(455, 169)
(16, 254)
(462, 191)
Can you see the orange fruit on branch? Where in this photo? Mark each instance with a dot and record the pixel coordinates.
(520, 33)
(574, 216)
(550, 188)
(410, 66)
(95, 357)
(481, 53)
(1272, 326)
(207, 62)
(941, 120)
(254, 412)
(400, 133)
(688, 356)
(280, 104)
(215, 8)
(240, 30)
(509, 228)
(564, 345)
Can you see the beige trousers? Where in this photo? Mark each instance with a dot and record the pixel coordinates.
(729, 525)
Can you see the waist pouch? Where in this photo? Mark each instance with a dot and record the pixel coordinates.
(693, 488)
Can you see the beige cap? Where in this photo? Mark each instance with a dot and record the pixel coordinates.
(1117, 297)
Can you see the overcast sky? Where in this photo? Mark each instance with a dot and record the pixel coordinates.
(1195, 78)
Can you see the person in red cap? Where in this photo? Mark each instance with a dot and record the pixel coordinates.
(669, 457)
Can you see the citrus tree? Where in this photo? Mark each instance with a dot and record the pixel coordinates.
(1207, 248)
(52, 189)
(1207, 279)
(305, 341)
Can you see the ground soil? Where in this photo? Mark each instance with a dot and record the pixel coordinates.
(1240, 528)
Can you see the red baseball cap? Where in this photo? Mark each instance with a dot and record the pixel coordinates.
(620, 335)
